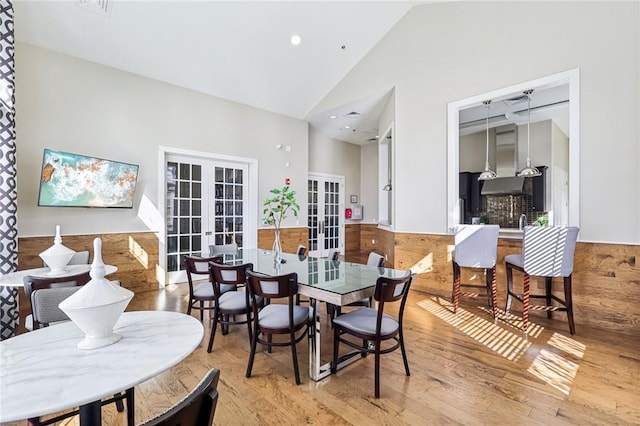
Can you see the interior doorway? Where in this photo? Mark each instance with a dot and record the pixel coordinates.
(325, 204)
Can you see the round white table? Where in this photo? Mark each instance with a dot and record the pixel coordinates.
(9, 315)
(14, 279)
(47, 363)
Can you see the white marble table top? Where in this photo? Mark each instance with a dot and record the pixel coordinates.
(42, 371)
(14, 279)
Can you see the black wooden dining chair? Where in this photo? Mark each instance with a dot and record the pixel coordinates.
(44, 310)
(227, 306)
(201, 293)
(276, 318)
(374, 259)
(375, 326)
(45, 294)
(195, 409)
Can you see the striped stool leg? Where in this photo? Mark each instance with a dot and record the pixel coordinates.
(494, 293)
(456, 286)
(525, 303)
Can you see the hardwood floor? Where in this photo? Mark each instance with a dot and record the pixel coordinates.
(464, 370)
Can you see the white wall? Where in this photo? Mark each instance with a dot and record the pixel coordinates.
(370, 186)
(334, 157)
(77, 106)
(440, 53)
(473, 151)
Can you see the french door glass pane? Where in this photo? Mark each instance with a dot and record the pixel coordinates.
(184, 205)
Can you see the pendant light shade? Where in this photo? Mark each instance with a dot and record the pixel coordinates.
(529, 170)
(487, 174)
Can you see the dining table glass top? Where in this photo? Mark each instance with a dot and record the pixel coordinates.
(337, 277)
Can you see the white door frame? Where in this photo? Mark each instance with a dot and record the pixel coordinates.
(341, 220)
(251, 233)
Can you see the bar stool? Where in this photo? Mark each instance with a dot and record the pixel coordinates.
(546, 252)
(476, 246)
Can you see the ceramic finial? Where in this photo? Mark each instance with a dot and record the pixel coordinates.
(97, 267)
(57, 239)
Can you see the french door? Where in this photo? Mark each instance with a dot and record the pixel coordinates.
(325, 219)
(206, 203)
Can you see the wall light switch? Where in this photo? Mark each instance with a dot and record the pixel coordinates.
(287, 148)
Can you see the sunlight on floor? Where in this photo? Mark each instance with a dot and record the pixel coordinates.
(504, 342)
(555, 370)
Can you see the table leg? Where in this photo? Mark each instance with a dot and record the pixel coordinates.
(91, 414)
(317, 370)
(9, 314)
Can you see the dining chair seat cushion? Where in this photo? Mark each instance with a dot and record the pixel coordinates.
(233, 301)
(363, 321)
(275, 316)
(204, 290)
(515, 259)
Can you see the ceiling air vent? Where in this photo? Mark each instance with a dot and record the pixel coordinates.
(516, 100)
(353, 114)
(101, 7)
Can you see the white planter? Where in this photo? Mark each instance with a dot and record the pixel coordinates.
(96, 307)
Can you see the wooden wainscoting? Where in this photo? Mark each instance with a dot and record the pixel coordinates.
(290, 238)
(606, 278)
(135, 255)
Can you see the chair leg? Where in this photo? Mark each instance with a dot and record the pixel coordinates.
(525, 303)
(119, 403)
(212, 336)
(294, 355)
(336, 343)
(377, 369)
(455, 296)
(547, 288)
(568, 300)
(404, 353)
(249, 321)
(252, 354)
(201, 311)
(509, 271)
(269, 340)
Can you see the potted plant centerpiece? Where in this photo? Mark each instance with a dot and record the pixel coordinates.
(275, 211)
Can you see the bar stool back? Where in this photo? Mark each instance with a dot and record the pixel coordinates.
(546, 252)
(476, 246)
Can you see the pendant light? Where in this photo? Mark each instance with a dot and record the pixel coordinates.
(529, 170)
(488, 174)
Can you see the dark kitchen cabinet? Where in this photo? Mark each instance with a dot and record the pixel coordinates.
(469, 191)
(539, 190)
(475, 199)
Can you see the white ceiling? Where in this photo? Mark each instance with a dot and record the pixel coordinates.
(235, 50)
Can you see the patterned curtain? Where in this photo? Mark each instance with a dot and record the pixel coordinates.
(8, 188)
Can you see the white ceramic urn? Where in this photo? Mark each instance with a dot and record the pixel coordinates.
(96, 307)
(57, 256)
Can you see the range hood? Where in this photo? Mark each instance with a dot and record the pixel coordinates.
(503, 186)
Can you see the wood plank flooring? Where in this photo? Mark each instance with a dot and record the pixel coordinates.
(464, 370)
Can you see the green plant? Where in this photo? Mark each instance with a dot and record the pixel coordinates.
(542, 220)
(276, 207)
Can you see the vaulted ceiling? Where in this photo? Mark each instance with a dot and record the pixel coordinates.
(240, 51)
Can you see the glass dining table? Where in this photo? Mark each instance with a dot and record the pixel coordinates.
(322, 280)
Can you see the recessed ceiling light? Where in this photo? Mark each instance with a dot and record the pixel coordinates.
(333, 117)
(347, 127)
(295, 39)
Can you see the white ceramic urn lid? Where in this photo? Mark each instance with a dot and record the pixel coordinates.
(57, 248)
(98, 291)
